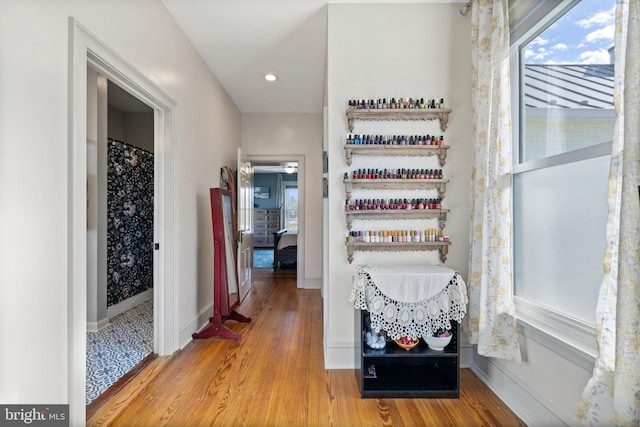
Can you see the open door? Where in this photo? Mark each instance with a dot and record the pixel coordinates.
(245, 225)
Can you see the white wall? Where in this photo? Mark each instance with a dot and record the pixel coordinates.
(294, 134)
(34, 172)
(376, 51)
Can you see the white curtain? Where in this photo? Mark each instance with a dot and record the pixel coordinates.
(492, 324)
(612, 396)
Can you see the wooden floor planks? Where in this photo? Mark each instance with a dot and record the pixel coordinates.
(274, 376)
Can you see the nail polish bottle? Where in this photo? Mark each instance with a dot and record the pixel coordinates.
(441, 103)
(441, 141)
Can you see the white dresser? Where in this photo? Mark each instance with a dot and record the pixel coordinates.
(265, 223)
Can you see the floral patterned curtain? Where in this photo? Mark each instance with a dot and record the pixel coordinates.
(129, 221)
(492, 323)
(612, 396)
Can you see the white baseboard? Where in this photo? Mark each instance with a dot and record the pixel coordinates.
(313, 282)
(97, 326)
(196, 325)
(340, 356)
(125, 305)
(532, 409)
(120, 308)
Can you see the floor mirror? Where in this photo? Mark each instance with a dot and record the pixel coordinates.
(225, 272)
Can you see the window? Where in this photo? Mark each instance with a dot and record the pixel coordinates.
(564, 120)
(291, 206)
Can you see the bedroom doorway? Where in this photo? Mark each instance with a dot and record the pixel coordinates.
(278, 205)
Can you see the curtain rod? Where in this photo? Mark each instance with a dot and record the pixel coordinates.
(465, 9)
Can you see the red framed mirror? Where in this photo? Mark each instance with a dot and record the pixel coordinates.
(225, 271)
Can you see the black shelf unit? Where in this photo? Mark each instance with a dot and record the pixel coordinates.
(419, 372)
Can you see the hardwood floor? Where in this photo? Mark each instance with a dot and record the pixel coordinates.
(274, 376)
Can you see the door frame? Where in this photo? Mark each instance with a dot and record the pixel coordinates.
(300, 273)
(85, 50)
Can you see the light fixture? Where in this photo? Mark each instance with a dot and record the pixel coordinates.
(289, 169)
(270, 77)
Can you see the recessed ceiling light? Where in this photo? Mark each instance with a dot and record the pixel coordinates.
(270, 77)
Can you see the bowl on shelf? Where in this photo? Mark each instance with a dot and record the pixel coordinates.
(438, 343)
(407, 342)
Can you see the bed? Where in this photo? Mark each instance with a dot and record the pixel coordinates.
(285, 248)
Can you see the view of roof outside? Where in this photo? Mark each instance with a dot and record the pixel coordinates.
(568, 82)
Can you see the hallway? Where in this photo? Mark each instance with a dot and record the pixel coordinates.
(275, 376)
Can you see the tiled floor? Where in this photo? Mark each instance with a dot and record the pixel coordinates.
(116, 349)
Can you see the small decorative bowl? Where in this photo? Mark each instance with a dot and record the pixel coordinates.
(409, 345)
(437, 343)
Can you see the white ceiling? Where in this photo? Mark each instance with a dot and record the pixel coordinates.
(241, 40)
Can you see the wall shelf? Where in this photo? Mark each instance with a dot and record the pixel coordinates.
(394, 372)
(441, 214)
(398, 246)
(441, 114)
(396, 184)
(396, 150)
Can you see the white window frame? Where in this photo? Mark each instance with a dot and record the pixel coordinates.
(567, 336)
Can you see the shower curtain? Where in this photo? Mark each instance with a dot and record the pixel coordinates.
(129, 221)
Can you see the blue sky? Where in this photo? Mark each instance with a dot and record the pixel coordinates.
(582, 36)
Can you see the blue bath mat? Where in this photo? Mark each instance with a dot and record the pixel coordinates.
(262, 258)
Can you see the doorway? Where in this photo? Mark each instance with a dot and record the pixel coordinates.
(279, 184)
(88, 51)
(120, 233)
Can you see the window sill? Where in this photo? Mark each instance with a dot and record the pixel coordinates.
(568, 337)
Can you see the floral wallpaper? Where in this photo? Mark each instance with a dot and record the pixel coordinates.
(129, 222)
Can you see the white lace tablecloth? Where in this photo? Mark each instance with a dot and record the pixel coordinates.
(414, 300)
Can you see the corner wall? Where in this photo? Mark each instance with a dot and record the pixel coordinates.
(383, 51)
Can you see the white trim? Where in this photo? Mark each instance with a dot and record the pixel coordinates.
(313, 282)
(532, 408)
(341, 355)
(536, 19)
(129, 303)
(597, 150)
(98, 326)
(300, 158)
(86, 50)
(196, 324)
(570, 338)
